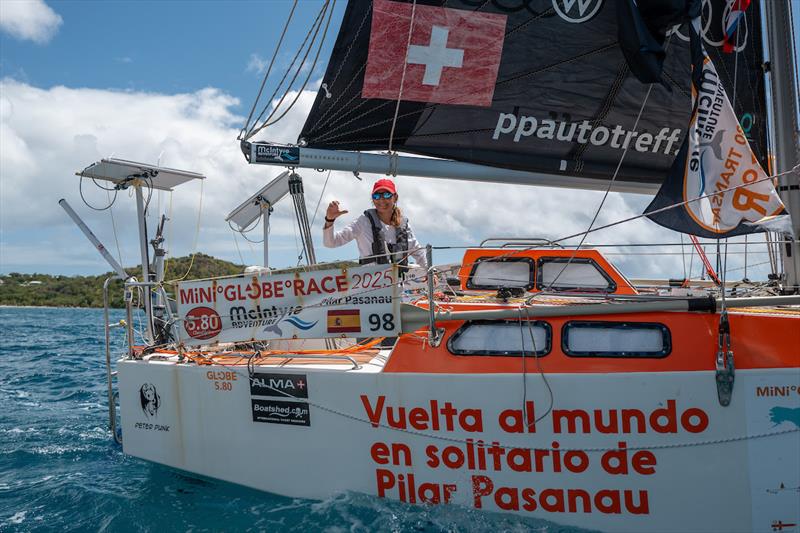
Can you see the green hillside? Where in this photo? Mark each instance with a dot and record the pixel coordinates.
(87, 291)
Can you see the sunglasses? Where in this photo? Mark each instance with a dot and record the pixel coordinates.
(385, 195)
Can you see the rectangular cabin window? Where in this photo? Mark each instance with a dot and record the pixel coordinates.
(580, 274)
(494, 337)
(491, 273)
(615, 339)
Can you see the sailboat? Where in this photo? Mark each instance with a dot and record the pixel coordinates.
(535, 379)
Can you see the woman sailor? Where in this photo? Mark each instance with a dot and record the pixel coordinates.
(382, 234)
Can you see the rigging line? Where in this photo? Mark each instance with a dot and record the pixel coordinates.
(524, 368)
(310, 72)
(668, 207)
(771, 252)
(238, 251)
(314, 28)
(269, 69)
(538, 359)
(683, 256)
(528, 423)
(624, 245)
(169, 233)
(403, 76)
(196, 235)
(114, 227)
(702, 255)
(745, 255)
(321, 120)
(608, 190)
(723, 267)
(675, 254)
(296, 242)
(752, 266)
(316, 209)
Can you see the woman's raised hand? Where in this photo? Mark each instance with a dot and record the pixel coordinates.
(334, 211)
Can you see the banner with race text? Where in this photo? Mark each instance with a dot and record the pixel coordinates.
(353, 302)
(716, 177)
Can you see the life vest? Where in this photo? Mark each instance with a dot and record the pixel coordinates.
(398, 252)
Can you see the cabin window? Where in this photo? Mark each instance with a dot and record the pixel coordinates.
(493, 337)
(580, 274)
(615, 339)
(495, 273)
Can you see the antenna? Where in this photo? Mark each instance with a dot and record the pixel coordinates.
(260, 204)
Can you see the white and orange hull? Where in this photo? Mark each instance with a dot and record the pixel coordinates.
(624, 451)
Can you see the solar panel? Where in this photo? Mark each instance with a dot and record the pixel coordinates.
(119, 170)
(251, 209)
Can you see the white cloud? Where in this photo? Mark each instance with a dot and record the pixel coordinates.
(256, 64)
(47, 135)
(29, 20)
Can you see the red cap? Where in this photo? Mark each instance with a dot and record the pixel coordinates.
(384, 185)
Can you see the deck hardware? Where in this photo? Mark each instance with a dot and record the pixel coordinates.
(725, 368)
(434, 335)
(323, 357)
(506, 293)
(113, 395)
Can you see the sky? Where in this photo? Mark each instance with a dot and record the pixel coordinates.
(170, 83)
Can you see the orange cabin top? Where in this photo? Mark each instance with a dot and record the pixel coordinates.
(759, 340)
(587, 263)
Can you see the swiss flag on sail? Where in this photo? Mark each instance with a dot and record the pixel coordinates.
(454, 55)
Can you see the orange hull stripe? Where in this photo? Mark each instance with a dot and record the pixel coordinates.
(759, 341)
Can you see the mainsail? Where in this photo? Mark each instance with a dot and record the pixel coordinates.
(540, 86)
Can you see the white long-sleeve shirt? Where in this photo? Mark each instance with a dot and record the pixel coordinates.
(361, 230)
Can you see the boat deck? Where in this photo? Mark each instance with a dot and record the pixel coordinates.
(369, 357)
(366, 360)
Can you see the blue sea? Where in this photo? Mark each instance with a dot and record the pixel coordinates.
(60, 469)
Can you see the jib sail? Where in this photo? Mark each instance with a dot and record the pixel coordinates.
(540, 86)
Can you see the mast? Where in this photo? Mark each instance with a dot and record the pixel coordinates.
(784, 120)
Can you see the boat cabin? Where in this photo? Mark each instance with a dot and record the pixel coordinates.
(536, 270)
(571, 339)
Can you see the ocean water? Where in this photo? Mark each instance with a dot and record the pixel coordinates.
(60, 470)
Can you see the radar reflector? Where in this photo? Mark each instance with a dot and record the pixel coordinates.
(120, 171)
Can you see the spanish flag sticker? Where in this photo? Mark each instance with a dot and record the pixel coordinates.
(344, 321)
